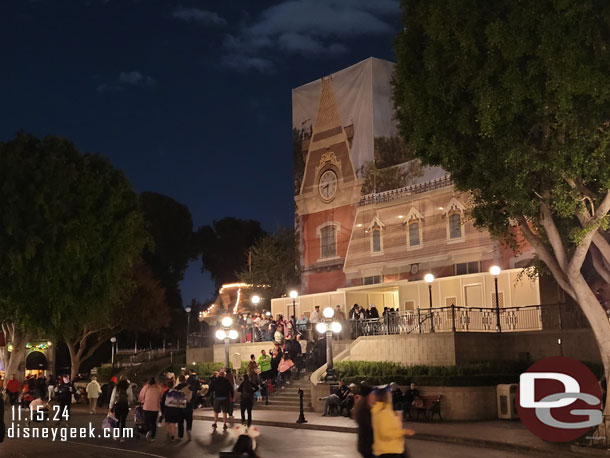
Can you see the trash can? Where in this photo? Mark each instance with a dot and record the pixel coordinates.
(507, 403)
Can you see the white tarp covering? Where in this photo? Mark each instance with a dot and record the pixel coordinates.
(363, 94)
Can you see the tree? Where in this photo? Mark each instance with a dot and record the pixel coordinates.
(224, 246)
(274, 263)
(71, 232)
(145, 310)
(513, 99)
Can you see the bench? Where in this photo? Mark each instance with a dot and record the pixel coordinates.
(430, 408)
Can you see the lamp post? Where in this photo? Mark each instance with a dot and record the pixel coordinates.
(293, 295)
(188, 325)
(227, 334)
(328, 326)
(495, 271)
(255, 301)
(429, 278)
(113, 342)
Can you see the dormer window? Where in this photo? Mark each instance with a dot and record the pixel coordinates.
(454, 213)
(414, 222)
(375, 231)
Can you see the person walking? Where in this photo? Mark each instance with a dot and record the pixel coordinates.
(223, 391)
(362, 415)
(264, 364)
(246, 401)
(150, 397)
(388, 433)
(63, 393)
(12, 389)
(93, 390)
(190, 389)
(284, 368)
(119, 405)
(173, 402)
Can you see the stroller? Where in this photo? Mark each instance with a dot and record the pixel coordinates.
(139, 421)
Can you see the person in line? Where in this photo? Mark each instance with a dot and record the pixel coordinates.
(50, 387)
(93, 393)
(285, 369)
(190, 395)
(172, 403)
(150, 397)
(231, 378)
(264, 364)
(388, 433)
(315, 316)
(362, 415)
(252, 368)
(12, 389)
(247, 390)
(223, 392)
(119, 405)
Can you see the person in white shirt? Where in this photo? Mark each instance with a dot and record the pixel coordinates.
(315, 316)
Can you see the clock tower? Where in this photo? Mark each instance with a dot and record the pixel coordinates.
(329, 192)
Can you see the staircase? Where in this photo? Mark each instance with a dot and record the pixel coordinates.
(288, 398)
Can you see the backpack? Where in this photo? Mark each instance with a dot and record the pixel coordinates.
(121, 397)
(175, 398)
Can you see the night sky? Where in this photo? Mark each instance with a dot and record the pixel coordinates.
(190, 99)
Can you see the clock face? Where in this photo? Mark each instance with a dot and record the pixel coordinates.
(327, 185)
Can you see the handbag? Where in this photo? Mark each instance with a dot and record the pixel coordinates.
(110, 422)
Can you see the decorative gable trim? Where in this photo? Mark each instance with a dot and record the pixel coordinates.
(453, 206)
(413, 214)
(375, 221)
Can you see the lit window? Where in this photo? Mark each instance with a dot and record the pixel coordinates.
(414, 234)
(372, 280)
(455, 226)
(329, 241)
(376, 240)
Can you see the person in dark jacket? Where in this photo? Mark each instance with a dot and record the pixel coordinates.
(190, 391)
(223, 393)
(362, 415)
(63, 393)
(247, 390)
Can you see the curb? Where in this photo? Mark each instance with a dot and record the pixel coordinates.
(482, 443)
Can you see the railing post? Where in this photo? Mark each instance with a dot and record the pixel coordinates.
(419, 319)
(453, 317)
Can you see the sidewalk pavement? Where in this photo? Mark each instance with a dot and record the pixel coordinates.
(503, 435)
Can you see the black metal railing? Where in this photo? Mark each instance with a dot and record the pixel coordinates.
(472, 319)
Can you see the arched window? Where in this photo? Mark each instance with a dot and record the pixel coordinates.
(455, 226)
(328, 240)
(414, 233)
(376, 239)
(375, 230)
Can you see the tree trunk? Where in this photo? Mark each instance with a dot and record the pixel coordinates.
(600, 325)
(75, 359)
(13, 361)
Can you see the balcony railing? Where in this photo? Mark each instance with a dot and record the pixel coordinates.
(471, 319)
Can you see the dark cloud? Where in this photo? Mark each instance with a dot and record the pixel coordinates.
(198, 15)
(244, 63)
(123, 80)
(309, 27)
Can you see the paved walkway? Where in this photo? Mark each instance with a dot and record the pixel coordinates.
(504, 435)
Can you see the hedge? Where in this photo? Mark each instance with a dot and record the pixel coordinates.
(482, 373)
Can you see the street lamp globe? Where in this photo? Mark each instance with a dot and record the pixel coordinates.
(233, 334)
(221, 334)
(255, 299)
(336, 327)
(321, 328)
(293, 294)
(495, 270)
(113, 339)
(227, 321)
(428, 278)
(328, 312)
(187, 310)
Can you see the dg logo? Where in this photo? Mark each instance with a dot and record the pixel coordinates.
(559, 399)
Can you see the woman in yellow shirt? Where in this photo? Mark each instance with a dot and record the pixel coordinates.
(388, 433)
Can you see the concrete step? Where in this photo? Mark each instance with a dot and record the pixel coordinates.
(283, 397)
(282, 408)
(286, 403)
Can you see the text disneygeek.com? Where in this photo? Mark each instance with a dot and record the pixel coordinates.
(64, 433)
